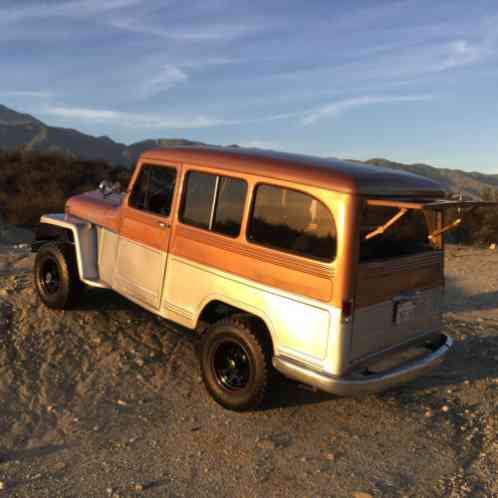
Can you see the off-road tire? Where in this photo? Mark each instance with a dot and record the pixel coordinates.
(58, 258)
(241, 334)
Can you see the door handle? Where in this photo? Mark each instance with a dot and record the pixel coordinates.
(162, 224)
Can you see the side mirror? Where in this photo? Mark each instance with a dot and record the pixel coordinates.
(108, 188)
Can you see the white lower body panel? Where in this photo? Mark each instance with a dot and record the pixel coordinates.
(300, 327)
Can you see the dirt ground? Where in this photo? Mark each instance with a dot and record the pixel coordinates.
(106, 401)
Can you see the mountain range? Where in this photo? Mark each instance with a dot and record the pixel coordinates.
(18, 129)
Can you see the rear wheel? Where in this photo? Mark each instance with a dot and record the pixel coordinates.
(236, 363)
(56, 276)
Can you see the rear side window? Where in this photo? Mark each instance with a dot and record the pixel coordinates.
(153, 190)
(293, 222)
(214, 202)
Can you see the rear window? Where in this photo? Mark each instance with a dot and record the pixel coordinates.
(406, 236)
(293, 222)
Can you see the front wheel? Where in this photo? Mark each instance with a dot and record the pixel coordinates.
(56, 276)
(236, 363)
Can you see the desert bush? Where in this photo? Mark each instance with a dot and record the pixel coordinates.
(35, 183)
(479, 226)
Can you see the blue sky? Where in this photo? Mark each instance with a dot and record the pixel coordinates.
(413, 81)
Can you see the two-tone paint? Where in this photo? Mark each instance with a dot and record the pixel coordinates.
(176, 270)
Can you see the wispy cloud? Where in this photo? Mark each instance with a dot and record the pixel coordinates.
(341, 106)
(168, 77)
(26, 93)
(462, 53)
(152, 121)
(81, 8)
(196, 33)
(135, 120)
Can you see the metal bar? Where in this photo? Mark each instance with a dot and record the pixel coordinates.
(386, 225)
(452, 225)
(429, 204)
(395, 203)
(215, 201)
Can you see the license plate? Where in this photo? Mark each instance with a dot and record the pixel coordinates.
(405, 312)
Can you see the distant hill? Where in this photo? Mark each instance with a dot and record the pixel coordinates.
(454, 180)
(18, 129)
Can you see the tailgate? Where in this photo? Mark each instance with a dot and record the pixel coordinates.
(397, 300)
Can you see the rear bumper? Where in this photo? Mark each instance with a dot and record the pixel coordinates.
(365, 383)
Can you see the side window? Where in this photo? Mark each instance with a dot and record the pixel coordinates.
(198, 199)
(213, 202)
(153, 191)
(229, 206)
(292, 221)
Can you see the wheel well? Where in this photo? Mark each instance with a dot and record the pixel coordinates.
(51, 233)
(217, 310)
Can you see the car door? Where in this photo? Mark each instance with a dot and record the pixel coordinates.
(145, 234)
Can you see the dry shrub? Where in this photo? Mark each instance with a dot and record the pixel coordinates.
(36, 183)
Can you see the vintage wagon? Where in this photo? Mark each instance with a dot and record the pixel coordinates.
(327, 271)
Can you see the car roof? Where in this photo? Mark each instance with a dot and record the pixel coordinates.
(328, 173)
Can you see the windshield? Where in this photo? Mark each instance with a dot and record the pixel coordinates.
(390, 232)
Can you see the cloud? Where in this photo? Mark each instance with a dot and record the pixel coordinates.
(462, 53)
(210, 32)
(168, 77)
(339, 107)
(80, 8)
(135, 120)
(28, 94)
(151, 121)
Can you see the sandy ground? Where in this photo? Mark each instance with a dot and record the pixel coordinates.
(106, 401)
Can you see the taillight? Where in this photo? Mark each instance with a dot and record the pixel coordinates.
(347, 310)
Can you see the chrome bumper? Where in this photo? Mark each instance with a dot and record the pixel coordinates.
(359, 384)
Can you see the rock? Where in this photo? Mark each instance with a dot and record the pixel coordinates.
(266, 444)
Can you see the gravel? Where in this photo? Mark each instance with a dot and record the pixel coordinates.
(81, 415)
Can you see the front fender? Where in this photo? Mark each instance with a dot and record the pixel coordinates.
(46, 232)
(83, 235)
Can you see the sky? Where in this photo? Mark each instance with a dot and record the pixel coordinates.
(411, 80)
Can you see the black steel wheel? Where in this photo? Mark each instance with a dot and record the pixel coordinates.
(230, 363)
(56, 276)
(236, 363)
(50, 277)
